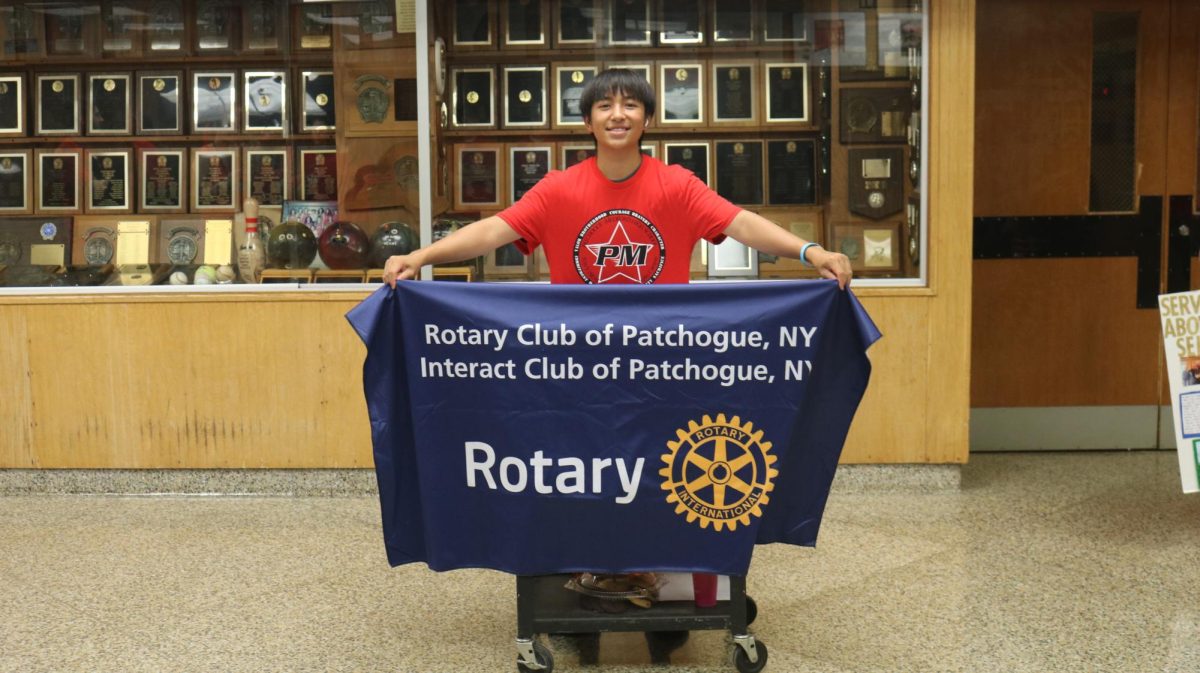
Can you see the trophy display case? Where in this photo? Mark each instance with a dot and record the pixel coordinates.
(806, 111)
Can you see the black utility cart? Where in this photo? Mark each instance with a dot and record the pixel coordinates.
(545, 606)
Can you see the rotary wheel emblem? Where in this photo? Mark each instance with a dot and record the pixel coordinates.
(719, 472)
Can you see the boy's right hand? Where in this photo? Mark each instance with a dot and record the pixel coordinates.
(400, 267)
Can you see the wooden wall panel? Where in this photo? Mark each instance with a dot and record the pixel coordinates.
(1183, 121)
(15, 395)
(1062, 332)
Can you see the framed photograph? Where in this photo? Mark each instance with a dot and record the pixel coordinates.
(792, 171)
(569, 81)
(316, 215)
(318, 110)
(268, 175)
(110, 99)
(681, 22)
(473, 97)
(160, 99)
(265, 101)
(109, 189)
(120, 28)
(525, 97)
(12, 104)
(739, 175)
(479, 176)
(69, 33)
(787, 92)
(58, 174)
(785, 21)
(24, 32)
(731, 259)
(507, 263)
(735, 99)
(312, 26)
(733, 21)
(264, 25)
(214, 102)
(214, 180)
(15, 182)
(570, 154)
(524, 23)
(681, 94)
(527, 164)
(165, 28)
(474, 24)
(58, 105)
(692, 155)
(318, 174)
(215, 23)
(874, 115)
(163, 180)
(870, 247)
(576, 22)
(629, 23)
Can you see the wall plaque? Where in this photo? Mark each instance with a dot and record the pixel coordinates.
(873, 115)
(58, 180)
(524, 23)
(693, 156)
(320, 113)
(214, 105)
(876, 182)
(525, 96)
(215, 25)
(58, 104)
(165, 27)
(526, 166)
(12, 104)
(473, 97)
(109, 109)
(478, 176)
(214, 179)
(787, 95)
(733, 21)
(791, 172)
(108, 181)
(267, 176)
(629, 23)
(473, 24)
(681, 93)
(15, 182)
(318, 174)
(734, 97)
(576, 22)
(164, 174)
(682, 22)
(120, 25)
(159, 103)
(265, 100)
(740, 170)
(569, 83)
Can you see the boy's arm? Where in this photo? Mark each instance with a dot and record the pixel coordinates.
(470, 241)
(756, 231)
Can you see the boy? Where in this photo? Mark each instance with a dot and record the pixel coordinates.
(621, 216)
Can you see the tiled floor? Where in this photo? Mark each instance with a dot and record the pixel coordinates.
(1047, 562)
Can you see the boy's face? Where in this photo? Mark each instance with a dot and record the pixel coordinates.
(617, 122)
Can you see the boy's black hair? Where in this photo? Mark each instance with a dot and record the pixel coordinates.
(613, 81)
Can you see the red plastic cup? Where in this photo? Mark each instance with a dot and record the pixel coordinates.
(704, 586)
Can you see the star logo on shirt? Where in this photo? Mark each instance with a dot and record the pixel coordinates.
(620, 257)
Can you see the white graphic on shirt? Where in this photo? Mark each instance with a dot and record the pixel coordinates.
(619, 256)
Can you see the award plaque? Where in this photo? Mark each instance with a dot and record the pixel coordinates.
(319, 110)
(786, 85)
(313, 27)
(58, 181)
(869, 248)
(472, 97)
(371, 24)
(214, 105)
(693, 156)
(181, 242)
(644, 69)
(629, 23)
(164, 174)
(785, 21)
(119, 28)
(165, 27)
(58, 105)
(682, 22)
(159, 103)
(215, 23)
(876, 182)
(67, 34)
(525, 96)
(734, 100)
(740, 170)
(870, 115)
(526, 166)
(576, 22)
(108, 181)
(265, 100)
(12, 104)
(214, 179)
(681, 93)
(731, 259)
(15, 182)
(569, 81)
(473, 22)
(570, 154)
(650, 149)
(263, 23)
(109, 111)
(40, 241)
(733, 21)
(95, 241)
(267, 176)
(21, 31)
(524, 23)
(318, 174)
(509, 263)
(791, 172)
(478, 177)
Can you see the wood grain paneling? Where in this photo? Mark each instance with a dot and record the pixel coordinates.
(16, 449)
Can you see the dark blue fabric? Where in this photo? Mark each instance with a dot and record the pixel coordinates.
(431, 433)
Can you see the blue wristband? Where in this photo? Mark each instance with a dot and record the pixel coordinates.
(804, 252)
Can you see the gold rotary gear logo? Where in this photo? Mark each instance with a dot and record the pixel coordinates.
(719, 472)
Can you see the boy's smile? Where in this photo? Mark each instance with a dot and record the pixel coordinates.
(617, 122)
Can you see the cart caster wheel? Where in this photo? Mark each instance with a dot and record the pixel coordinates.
(751, 610)
(545, 660)
(742, 660)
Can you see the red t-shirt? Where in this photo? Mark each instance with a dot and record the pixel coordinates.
(639, 230)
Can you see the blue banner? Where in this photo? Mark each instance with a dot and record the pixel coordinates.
(554, 428)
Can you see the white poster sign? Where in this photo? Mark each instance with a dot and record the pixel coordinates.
(1180, 313)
